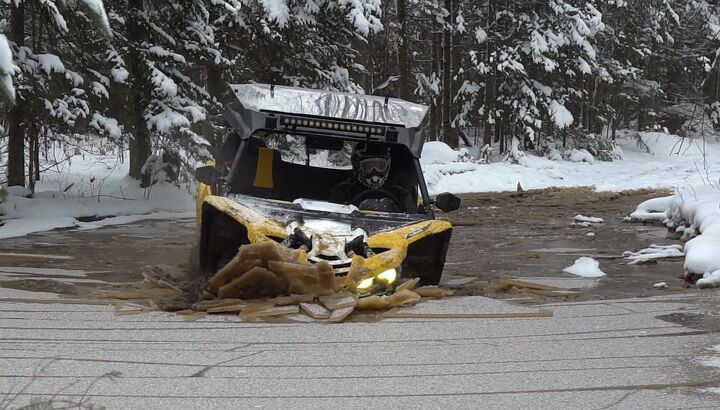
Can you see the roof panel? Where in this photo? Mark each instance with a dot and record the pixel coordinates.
(303, 101)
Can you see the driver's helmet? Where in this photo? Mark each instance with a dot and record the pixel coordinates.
(371, 164)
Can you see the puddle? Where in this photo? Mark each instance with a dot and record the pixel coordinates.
(529, 236)
(498, 235)
(701, 321)
(562, 250)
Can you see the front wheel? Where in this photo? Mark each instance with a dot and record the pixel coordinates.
(220, 243)
(426, 258)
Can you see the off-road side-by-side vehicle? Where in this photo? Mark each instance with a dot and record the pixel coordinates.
(289, 150)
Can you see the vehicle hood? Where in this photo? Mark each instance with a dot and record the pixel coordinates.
(325, 215)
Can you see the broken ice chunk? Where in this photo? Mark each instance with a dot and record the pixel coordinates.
(293, 299)
(586, 267)
(315, 310)
(194, 316)
(213, 303)
(339, 315)
(268, 251)
(588, 219)
(339, 300)
(326, 277)
(256, 283)
(250, 315)
(373, 303)
(660, 285)
(233, 270)
(402, 298)
(432, 292)
(307, 279)
(654, 252)
(409, 285)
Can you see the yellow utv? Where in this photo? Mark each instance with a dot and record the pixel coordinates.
(288, 172)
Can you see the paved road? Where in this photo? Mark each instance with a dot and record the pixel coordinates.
(595, 355)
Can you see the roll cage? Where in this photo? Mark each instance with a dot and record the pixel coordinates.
(324, 119)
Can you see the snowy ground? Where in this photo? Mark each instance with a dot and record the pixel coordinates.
(89, 186)
(97, 185)
(672, 163)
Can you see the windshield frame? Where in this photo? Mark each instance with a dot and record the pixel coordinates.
(424, 194)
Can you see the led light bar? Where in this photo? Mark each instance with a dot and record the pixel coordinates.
(291, 122)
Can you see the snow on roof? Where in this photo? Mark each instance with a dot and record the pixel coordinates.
(332, 104)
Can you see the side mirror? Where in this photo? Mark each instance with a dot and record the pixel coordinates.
(447, 202)
(207, 175)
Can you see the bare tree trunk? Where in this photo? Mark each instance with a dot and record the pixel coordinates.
(386, 53)
(435, 112)
(36, 156)
(591, 105)
(216, 89)
(16, 116)
(490, 81)
(500, 134)
(404, 68)
(33, 163)
(140, 148)
(450, 134)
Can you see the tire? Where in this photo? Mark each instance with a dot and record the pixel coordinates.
(223, 239)
(426, 259)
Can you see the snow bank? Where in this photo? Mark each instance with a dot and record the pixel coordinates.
(436, 152)
(671, 162)
(580, 155)
(700, 209)
(695, 212)
(652, 210)
(585, 267)
(89, 186)
(709, 280)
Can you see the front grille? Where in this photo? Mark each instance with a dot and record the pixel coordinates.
(340, 266)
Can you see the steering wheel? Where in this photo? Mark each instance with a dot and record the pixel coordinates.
(377, 194)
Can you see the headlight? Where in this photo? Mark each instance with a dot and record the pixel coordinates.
(379, 282)
(388, 277)
(365, 284)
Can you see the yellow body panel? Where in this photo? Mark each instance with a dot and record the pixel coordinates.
(408, 234)
(264, 170)
(259, 228)
(397, 241)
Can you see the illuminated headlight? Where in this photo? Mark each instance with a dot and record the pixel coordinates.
(365, 284)
(388, 277)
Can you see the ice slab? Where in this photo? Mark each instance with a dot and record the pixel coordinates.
(563, 283)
